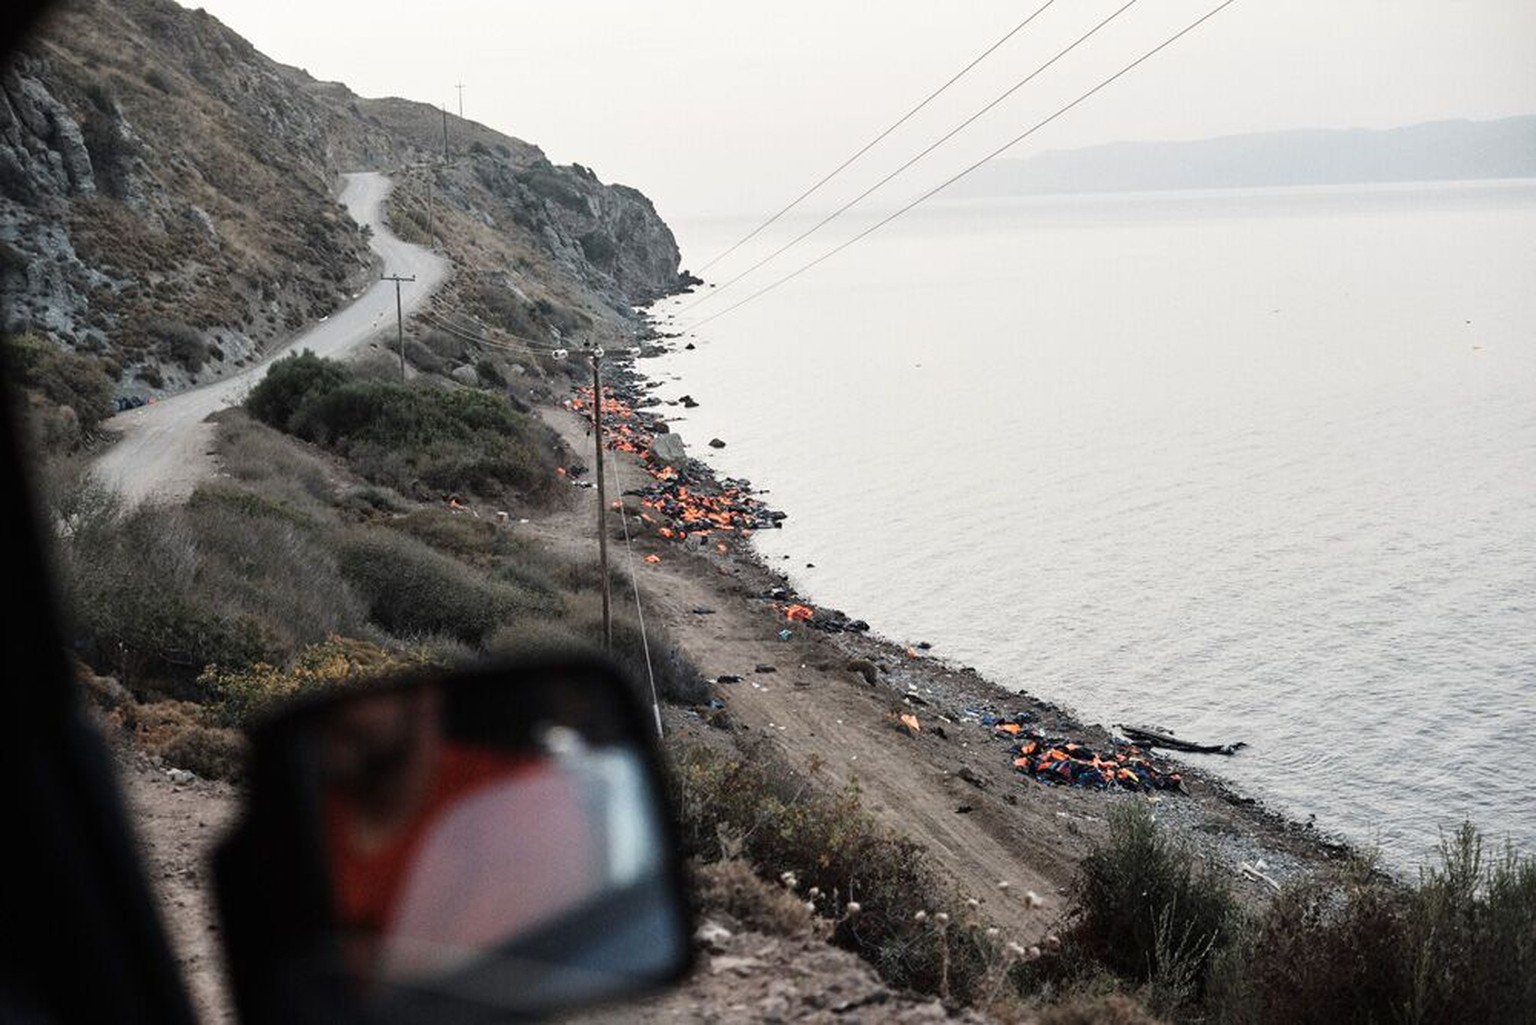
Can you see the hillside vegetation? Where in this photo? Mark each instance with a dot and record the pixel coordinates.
(167, 203)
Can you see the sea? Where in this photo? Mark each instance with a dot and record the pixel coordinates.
(1247, 465)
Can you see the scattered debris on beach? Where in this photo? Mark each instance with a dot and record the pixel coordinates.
(1148, 737)
(687, 499)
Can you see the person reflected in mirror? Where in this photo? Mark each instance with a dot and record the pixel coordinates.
(439, 849)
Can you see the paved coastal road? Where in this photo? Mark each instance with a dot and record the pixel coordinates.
(163, 450)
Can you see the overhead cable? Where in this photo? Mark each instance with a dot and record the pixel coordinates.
(933, 146)
(634, 582)
(877, 139)
(990, 156)
(507, 346)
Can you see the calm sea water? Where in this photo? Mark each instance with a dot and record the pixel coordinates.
(1253, 465)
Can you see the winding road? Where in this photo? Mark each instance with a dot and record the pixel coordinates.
(163, 449)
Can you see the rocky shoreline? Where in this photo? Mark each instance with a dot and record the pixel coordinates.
(947, 712)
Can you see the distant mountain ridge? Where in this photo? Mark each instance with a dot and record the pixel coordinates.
(1433, 151)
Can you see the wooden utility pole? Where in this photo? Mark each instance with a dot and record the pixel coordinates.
(399, 317)
(460, 88)
(602, 497)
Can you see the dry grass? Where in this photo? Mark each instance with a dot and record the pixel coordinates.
(731, 889)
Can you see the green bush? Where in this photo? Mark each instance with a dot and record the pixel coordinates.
(273, 563)
(69, 394)
(490, 372)
(504, 309)
(290, 383)
(412, 590)
(1473, 932)
(264, 459)
(1148, 912)
(423, 358)
(445, 346)
(1324, 951)
(1458, 947)
(1355, 948)
(132, 584)
(411, 438)
(234, 576)
(180, 343)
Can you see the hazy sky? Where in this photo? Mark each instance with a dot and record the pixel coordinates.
(725, 106)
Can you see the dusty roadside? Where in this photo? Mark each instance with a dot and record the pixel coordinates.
(178, 818)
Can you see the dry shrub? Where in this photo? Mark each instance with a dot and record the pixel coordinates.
(210, 751)
(252, 452)
(908, 925)
(272, 563)
(239, 698)
(730, 888)
(1324, 951)
(413, 590)
(472, 538)
(181, 734)
(133, 581)
(1115, 1009)
(1458, 947)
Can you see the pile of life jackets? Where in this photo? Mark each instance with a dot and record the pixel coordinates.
(1068, 763)
(680, 502)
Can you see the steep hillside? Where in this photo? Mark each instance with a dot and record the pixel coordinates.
(167, 201)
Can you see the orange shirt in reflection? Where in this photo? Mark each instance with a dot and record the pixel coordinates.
(369, 864)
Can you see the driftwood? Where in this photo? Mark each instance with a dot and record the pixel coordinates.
(1157, 738)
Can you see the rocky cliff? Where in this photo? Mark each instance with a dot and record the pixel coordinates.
(167, 200)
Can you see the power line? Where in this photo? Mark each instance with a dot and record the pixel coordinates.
(933, 146)
(489, 343)
(634, 581)
(438, 322)
(442, 323)
(877, 139)
(950, 181)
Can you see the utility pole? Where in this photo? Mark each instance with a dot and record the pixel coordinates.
(430, 233)
(445, 134)
(399, 317)
(460, 88)
(602, 497)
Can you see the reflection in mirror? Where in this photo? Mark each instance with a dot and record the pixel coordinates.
(489, 843)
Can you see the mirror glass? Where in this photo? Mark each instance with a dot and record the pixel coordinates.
(488, 842)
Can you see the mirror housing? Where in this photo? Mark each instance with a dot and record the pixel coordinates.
(471, 845)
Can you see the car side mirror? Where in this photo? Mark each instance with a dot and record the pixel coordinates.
(472, 845)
